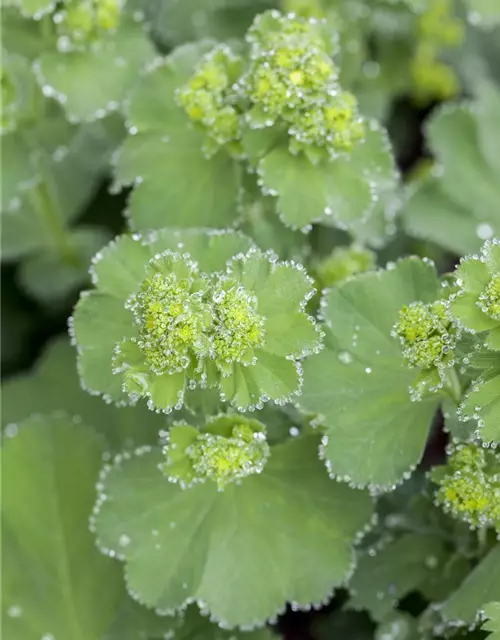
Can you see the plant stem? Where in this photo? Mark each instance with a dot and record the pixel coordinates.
(46, 206)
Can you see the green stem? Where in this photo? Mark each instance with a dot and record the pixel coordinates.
(46, 206)
(452, 385)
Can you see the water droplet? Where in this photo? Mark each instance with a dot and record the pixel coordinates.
(484, 231)
(14, 611)
(345, 357)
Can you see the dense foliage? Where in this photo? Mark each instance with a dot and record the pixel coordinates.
(274, 228)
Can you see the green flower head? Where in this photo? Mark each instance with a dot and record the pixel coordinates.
(231, 318)
(428, 336)
(228, 449)
(209, 98)
(476, 305)
(335, 126)
(82, 22)
(342, 263)
(426, 333)
(432, 79)
(439, 25)
(292, 77)
(469, 485)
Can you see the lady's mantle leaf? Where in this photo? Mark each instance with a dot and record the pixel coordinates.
(492, 610)
(55, 583)
(227, 549)
(380, 580)
(54, 385)
(175, 185)
(360, 385)
(339, 193)
(91, 83)
(481, 585)
(486, 13)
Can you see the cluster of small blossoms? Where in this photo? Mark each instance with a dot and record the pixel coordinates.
(469, 485)
(82, 22)
(438, 29)
(427, 334)
(8, 115)
(342, 263)
(210, 100)
(173, 318)
(476, 304)
(185, 318)
(292, 77)
(239, 328)
(224, 460)
(227, 449)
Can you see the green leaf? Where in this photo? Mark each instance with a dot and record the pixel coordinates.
(359, 385)
(401, 566)
(100, 322)
(186, 544)
(54, 385)
(55, 197)
(49, 277)
(91, 83)
(480, 586)
(175, 184)
(18, 170)
(488, 120)
(492, 611)
(330, 192)
(55, 583)
(34, 8)
(467, 178)
(199, 192)
(482, 403)
(485, 13)
(340, 193)
(430, 215)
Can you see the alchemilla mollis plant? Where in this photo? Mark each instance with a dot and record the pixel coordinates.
(273, 232)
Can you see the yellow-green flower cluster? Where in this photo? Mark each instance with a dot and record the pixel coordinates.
(438, 29)
(469, 485)
(209, 98)
(342, 263)
(427, 334)
(174, 319)
(185, 318)
(489, 298)
(293, 77)
(240, 327)
(226, 459)
(84, 21)
(8, 116)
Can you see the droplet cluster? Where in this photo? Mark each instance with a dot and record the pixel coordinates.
(226, 459)
(209, 98)
(81, 22)
(293, 77)
(469, 485)
(427, 334)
